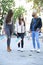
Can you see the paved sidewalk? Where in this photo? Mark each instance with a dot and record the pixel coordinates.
(20, 58)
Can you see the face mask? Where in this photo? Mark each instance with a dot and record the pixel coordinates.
(33, 15)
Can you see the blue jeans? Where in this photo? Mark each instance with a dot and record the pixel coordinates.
(8, 30)
(35, 37)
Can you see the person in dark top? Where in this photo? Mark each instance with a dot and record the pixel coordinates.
(35, 28)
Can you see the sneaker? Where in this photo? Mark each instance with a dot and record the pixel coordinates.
(32, 50)
(21, 50)
(18, 49)
(38, 51)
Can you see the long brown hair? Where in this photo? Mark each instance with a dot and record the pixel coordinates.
(10, 14)
(21, 20)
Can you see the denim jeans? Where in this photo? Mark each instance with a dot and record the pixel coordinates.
(8, 30)
(35, 37)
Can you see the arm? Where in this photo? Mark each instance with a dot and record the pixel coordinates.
(31, 25)
(13, 24)
(39, 24)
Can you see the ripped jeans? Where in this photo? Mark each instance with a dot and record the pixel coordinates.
(8, 31)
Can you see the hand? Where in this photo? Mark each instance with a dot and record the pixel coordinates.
(30, 31)
(17, 35)
(38, 30)
(2, 31)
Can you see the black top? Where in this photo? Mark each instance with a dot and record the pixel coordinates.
(37, 25)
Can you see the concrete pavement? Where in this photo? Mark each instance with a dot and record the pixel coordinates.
(20, 58)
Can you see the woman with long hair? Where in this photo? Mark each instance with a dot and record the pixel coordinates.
(20, 30)
(8, 27)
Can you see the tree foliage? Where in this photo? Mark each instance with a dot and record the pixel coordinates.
(5, 6)
(37, 4)
(18, 12)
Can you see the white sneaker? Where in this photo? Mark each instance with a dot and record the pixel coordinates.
(38, 51)
(32, 50)
(21, 50)
(35, 49)
(18, 49)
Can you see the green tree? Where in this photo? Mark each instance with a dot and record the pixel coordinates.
(37, 4)
(5, 6)
(18, 12)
